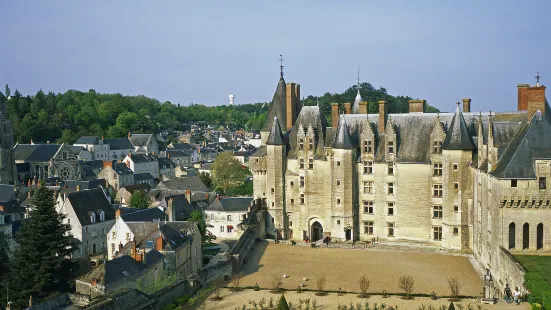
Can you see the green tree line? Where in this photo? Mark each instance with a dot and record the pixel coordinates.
(64, 117)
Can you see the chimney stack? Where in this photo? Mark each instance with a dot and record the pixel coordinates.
(217, 197)
(117, 213)
(383, 109)
(466, 105)
(188, 195)
(129, 135)
(363, 108)
(347, 107)
(334, 115)
(107, 164)
(417, 106)
(531, 99)
(78, 188)
(159, 243)
(170, 210)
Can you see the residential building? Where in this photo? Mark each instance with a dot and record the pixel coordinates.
(142, 163)
(116, 175)
(166, 167)
(95, 145)
(119, 148)
(144, 143)
(125, 192)
(144, 178)
(225, 213)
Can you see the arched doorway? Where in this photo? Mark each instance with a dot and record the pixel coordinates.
(317, 231)
(512, 236)
(539, 236)
(525, 236)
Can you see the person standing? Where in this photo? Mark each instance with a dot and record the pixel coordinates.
(516, 295)
(508, 294)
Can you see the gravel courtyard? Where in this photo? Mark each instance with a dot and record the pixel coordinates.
(344, 267)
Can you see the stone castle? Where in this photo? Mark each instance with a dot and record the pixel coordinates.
(471, 182)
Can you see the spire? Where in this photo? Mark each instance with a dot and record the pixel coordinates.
(342, 138)
(358, 99)
(275, 137)
(458, 137)
(281, 65)
(538, 79)
(278, 107)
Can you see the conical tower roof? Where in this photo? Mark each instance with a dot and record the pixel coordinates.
(278, 108)
(275, 137)
(342, 138)
(357, 101)
(458, 137)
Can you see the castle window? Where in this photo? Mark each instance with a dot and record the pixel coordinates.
(390, 168)
(368, 187)
(437, 169)
(301, 199)
(368, 207)
(338, 163)
(390, 189)
(338, 182)
(338, 222)
(456, 231)
(310, 144)
(273, 204)
(437, 212)
(390, 147)
(273, 190)
(437, 190)
(311, 164)
(390, 227)
(368, 167)
(513, 183)
(542, 183)
(301, 181)
(301, 145)
(301, 163)
(455, 166)
(229, 217)
(368, 227)
(292, 201)
(390, 207)
(437, 147)
(292, 183)
(290, 223)
(338, 201)
(456, 186)
(455, 208)
(437, 233)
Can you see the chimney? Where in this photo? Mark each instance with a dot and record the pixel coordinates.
(2, 208)
(93, 282)
(117, 213)
(334, 115)
(531, 99)
(78, 188)
(417, 106)
(207, 197)
(168, 155)
(29, 194)
(217, 197)
(143, 258)
(102, 138)
(347, 107)
(129, 135)
(153, 153)
(159, 243)
(188, 195)
(107, 164)
(383, 109)
(290, 105)
(363, 108)
(170, 210)
(466, 105)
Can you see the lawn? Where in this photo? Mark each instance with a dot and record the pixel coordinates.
(538, 277)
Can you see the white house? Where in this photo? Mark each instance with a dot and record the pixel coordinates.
(142, 163)
(224, 214)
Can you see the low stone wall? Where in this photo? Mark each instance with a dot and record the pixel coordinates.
(168, 294)
(508, 271)
(127, 299)
(80, 300)
(57, 302)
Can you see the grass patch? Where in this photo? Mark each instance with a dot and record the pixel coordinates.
(538, 278)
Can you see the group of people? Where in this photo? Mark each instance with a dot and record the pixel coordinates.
(510, 296)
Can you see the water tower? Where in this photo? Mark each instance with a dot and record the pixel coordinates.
(232, 99)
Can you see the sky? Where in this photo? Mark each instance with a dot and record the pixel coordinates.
(202, 51)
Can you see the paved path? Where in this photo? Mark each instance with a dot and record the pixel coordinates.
(220, 256)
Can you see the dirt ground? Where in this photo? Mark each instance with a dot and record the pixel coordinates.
(344, 267)
(231, 300)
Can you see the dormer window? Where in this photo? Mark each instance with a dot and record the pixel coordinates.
(367, 146)
(102, 216)
(437, 147)
(93, 218)
(301, 145)
(390, 147)
(311, 164)
(310, 144)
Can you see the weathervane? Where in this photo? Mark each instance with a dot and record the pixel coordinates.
(281, 64)
(538, 78)
(358, 78)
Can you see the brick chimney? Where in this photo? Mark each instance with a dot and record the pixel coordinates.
(29, 194)
(188, 195)
(466, 105)
(170, 210)
(129, 135)
(531, 99)
(347, 107)
(168, 155)
(107, 164)
(334, 115)
(363, 108)
(117, 213)
(159, 243)
(417, 106)
(383, 109)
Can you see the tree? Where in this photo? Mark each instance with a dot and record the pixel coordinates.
(236, 279)
(139, 200)
(8, 91)
(364, 285)
(42, 261)
(206, 179)
(277, 282)
(406, 283)
(455, 287)
(199, 217)
(227, 171)
(4, 263)
(282, 305)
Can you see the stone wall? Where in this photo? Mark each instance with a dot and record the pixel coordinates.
(509, 271)
(57, 302)
(168, 294)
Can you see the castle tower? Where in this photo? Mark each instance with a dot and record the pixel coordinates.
(276, 152)
(457, 184)
(358, 100)
(7, 163)
(343, 202)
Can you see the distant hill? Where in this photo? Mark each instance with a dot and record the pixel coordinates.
(64, 117)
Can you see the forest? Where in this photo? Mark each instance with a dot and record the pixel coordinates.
(64, 117)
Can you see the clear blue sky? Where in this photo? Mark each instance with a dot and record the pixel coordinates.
(201, 51)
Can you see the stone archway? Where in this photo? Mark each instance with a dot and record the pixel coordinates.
(317, 231)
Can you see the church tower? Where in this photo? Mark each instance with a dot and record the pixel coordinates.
(7, 163)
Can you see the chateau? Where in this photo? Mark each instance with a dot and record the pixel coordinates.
(471, 182)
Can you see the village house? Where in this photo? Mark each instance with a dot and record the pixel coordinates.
(116, 175)
(225, 213)
(95, 145)
(166, 167)
(144, 143)
(142, 163)
(119, 148)
(124, 193)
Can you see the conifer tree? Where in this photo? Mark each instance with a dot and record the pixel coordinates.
(282, 305)
(42, 264)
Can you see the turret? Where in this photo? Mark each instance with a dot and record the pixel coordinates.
(275, 182)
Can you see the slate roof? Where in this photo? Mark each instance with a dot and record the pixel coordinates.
(532, 142)
(181, 208)
(88, 140)
(275, 137)
(278, 106)
(142, 158)
(309, 116)
(165, 162)
(143, 176)
(91, 200)
(11, 206)
(144, 215)
(342, 140)
(174, 234)
(458, 137)
(99, 183)
(231, 204)
(181, 184)
(7, 192)
(182, 146)
(22, 167)
(76, 149)
(140, 139)
(35, 152)
(137, 187)
(119, 144)
(122, 169)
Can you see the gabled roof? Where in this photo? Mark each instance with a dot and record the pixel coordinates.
(231, 204)
(35, 152)
(7, 192)
(342, 139)
(119, 144)
(142, 158)
(137, 187)
(144, 215)
(165, 162)
(532, 142)
(181, 184)
(12, 206)
(181, 208)
(122, 169)
(275, 137)
(309, 116)
(143, 176)
(140, 139)
(94, 140)
(85, 202)
(182, 146)
(278, 107)
(458, 137)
